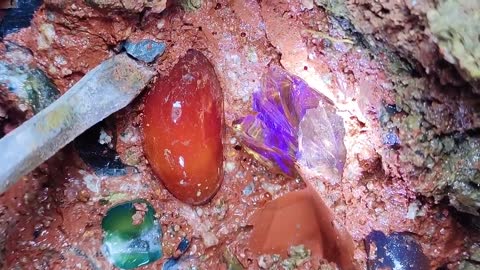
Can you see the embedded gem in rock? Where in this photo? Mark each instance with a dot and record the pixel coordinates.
(132, 235)
(183, 129)
(394, 251)
(293, 124)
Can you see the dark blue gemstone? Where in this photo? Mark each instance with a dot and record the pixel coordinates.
(391, 108)
(183, 246)
(170, 264)
(396, 251)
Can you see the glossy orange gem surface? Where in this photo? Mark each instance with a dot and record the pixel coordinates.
(183, 129)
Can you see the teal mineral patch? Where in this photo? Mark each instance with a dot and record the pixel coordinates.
(132, 235)
(32, 86)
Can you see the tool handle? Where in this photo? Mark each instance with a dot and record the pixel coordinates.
(102, 91)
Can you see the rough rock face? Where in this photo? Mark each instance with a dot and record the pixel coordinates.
(64, 44)
(435, 117)
(436, 128)
(432, 33)
(456, 28)
(156, 6)
(135, 6)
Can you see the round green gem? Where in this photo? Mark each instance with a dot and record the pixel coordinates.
(128, 245)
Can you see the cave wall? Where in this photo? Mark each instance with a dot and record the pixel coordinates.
(433, 60)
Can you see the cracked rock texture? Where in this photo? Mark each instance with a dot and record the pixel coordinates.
(429, 33)
(435, 80)
(135, 6)
(411, 126)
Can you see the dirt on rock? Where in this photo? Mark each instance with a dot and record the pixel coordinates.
(431, 65)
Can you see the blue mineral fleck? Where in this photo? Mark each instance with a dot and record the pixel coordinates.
(391, 139)
(173, 263)
(391, 109)
(145, 50)
(249, 189)
(170, 264)
(183, 246)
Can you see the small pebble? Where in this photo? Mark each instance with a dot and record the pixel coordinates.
(83, 196)
(209, 239)
(145, 50)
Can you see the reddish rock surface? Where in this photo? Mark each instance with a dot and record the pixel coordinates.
(52, 220)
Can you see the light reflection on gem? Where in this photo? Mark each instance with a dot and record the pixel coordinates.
(271, 135)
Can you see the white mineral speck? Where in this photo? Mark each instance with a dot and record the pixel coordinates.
(209, 239)
(46, 36)
(249, 189)
(252, 55)
(104, 138)
(412, 210)
(176, 111)
(60, 60)
(52, 69)
(271, 188)
(160, 24)
(229, 166)
(23, 107)
(91, 181)
(320, 186)
(246, 98)
(235, 59)
(232, 75)
(181, 161)
(187, 78)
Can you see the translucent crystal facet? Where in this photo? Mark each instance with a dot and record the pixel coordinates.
(272, 134)
(321, 148)
(183, 129)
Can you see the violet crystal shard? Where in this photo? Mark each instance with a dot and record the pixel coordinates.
(288, 111)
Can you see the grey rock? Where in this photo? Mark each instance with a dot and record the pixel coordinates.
(146, 50)
(31, 85)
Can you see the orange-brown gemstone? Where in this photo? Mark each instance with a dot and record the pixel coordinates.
(183, 129)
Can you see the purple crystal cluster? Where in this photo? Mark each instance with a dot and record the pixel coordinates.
(273, 133)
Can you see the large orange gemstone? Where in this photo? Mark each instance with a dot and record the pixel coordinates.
(183, 129)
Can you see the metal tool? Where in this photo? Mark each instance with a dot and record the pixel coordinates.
(104, 90)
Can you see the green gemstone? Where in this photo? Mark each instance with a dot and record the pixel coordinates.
(127, 245)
